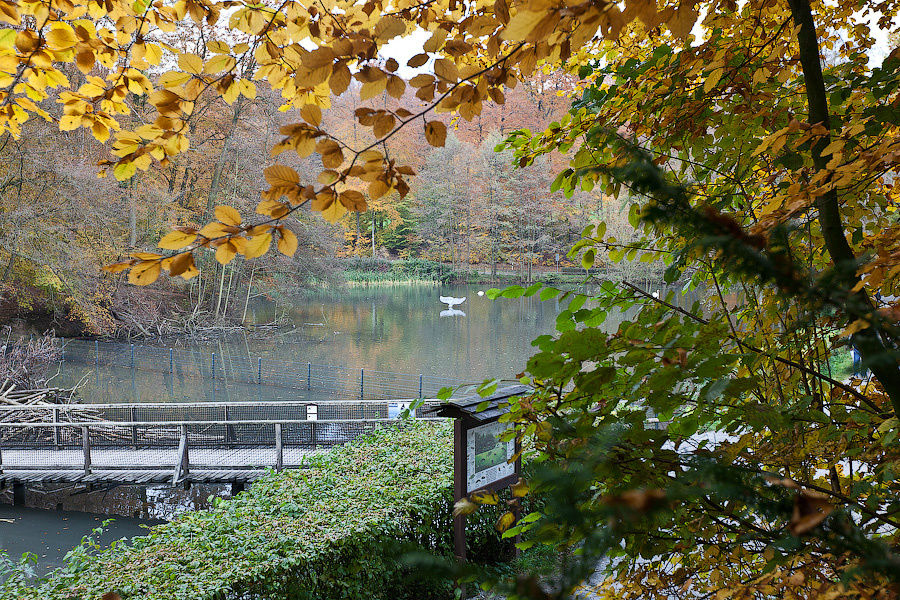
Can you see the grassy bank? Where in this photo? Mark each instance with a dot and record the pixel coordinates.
(368, 271)
(322, 532)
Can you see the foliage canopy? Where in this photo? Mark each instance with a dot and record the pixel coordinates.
(754, 170)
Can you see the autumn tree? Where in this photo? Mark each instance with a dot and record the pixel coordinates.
(752, 170)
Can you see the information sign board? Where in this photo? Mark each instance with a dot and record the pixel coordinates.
(488, 458)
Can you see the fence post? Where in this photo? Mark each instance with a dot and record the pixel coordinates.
(309, 376)
(361, 377)
(132, 356)
(259, 370)
(56, 429)
(279, 449)
(183, 465)
(86, 448)
(420, 386)
(133, 428)
(213, 367)
(171, 361)
(227, 427)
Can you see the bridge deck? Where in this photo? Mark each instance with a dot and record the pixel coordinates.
(206, 465)
(162, 442)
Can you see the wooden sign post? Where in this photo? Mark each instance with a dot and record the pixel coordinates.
(481, 461)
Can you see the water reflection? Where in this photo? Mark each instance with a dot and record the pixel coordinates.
(382, 328)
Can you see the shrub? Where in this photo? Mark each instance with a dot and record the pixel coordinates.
(330, 531)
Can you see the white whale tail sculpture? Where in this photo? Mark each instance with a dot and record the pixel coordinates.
(450, 301)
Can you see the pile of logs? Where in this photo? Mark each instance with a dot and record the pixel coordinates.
(11, 396)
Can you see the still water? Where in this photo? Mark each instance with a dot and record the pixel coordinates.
(398, 329)
(403, 329)
(50, 534)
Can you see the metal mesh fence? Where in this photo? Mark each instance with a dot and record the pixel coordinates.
(337, 381)
(218, 436)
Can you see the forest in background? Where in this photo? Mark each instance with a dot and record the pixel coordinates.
(469, 206)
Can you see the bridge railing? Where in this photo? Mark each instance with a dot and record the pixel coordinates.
(340, 381)
(202, 436)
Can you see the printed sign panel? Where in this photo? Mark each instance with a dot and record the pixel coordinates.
(487, 457)
(395, 409)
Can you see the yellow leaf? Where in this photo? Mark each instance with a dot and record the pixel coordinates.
(281, 175)
(312, 114)
(219, 63)
(144, 273)
(272, 208)
(190, 63)
(70, 122)
(712, 80)
(248, 89)
(61, 38)
(834, 146)
(328, 176)
(287, 243)
(519, 488)
(123, 171)
(118, 267)
(7, 38)
(521, 25)
(485, 498)
(213, 230)
(377, 189)
(177, 240)
(226, 253)
(228, 215)
(334, 212)
(505, 522)
(389, 27)
(436, 40)
(152, 53)
(855, 326)
(174, 79)
(258, 245)
(372, 88)
(100, 131)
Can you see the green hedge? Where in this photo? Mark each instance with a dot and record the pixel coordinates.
(323, 532)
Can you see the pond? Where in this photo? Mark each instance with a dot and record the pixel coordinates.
(399, 329)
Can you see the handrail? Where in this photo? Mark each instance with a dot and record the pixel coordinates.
(219, 404)
(217, 422)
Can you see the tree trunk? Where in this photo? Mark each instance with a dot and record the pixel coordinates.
(216, 182)
(867, 341)
(247, 299)
(132, 216)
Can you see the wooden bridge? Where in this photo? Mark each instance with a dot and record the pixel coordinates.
(204, 442)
